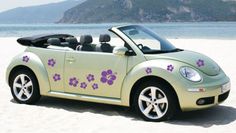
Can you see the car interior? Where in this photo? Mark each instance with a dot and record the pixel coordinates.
(85, 43)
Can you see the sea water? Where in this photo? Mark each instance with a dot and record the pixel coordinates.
(202, 30)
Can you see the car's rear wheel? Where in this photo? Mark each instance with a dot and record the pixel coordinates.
(24, 87)
(154, 101)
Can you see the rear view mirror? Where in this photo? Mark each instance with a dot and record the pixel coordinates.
(120, 50)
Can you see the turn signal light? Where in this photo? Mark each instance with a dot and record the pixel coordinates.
(196, 90)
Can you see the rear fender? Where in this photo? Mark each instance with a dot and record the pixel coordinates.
(33, 62)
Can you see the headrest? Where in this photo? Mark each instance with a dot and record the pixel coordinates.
(71, 40)
(104, 38)
(54, 41)
(86, 39)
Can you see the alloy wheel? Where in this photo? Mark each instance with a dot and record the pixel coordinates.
(153, 102)
(23, 87)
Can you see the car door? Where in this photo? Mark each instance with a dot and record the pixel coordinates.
(53, 61)
(94, 73)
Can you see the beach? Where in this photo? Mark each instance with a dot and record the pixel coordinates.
(61, 115)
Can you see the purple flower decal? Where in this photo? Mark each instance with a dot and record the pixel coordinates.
(51, 62)
(95, 86)
(56, 77)
(83, 85)
(170, 68)
(200, 63)
(148, 70)
(90, 77)
(25, 59)
(73, 82)
(108, 77)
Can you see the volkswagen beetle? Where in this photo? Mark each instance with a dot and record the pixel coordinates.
(135, 68)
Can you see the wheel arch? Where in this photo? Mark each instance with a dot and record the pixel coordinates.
(34, 94)
(35, 65)
(18, 68)
(151, 78)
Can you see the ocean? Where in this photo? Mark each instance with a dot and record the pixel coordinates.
(200, 30)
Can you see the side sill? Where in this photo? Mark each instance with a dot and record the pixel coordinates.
(89, 98)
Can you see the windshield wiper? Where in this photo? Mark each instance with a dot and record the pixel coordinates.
(161, 51)
(175, 50)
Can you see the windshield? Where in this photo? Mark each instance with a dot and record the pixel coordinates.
(147, 41)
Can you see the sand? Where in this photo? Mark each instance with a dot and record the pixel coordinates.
(60, 115)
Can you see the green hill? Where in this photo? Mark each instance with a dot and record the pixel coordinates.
(96, 11)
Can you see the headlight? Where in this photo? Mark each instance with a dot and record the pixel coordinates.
(190, 74)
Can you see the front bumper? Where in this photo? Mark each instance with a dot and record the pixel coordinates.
(208, 96)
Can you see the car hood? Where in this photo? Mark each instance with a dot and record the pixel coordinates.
(197, 60)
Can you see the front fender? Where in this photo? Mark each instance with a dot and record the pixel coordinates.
(158, 69)
(36, 65)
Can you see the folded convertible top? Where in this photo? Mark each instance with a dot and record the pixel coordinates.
(40, 40)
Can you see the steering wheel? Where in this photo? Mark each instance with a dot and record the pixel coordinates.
(140, 46)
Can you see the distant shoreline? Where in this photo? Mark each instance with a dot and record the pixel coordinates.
(201, 30)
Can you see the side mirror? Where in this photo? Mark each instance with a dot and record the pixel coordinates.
(120, 50)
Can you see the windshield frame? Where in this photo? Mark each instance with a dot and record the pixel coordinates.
(165, 46)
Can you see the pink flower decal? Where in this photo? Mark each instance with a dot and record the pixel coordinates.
(51, 62)
(56, 77)
(73, 82)
(200, 63)
(108, 77)
(148, 70)
(83, 85)
(95, 86)
(170, 68)
(90, 77)
(25, 59)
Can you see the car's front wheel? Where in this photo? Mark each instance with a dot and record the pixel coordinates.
(154, 101)
(24, 87)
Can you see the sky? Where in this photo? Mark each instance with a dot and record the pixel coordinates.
(9, 4)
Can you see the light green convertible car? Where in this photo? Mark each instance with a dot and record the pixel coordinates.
(136, 69)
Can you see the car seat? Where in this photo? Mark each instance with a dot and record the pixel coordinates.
(72, 42)
(85, 41)
(105, 46)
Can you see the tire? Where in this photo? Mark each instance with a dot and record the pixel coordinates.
(155, 101)
(24, 87)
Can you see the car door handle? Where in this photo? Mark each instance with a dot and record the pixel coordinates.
(70, 59)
